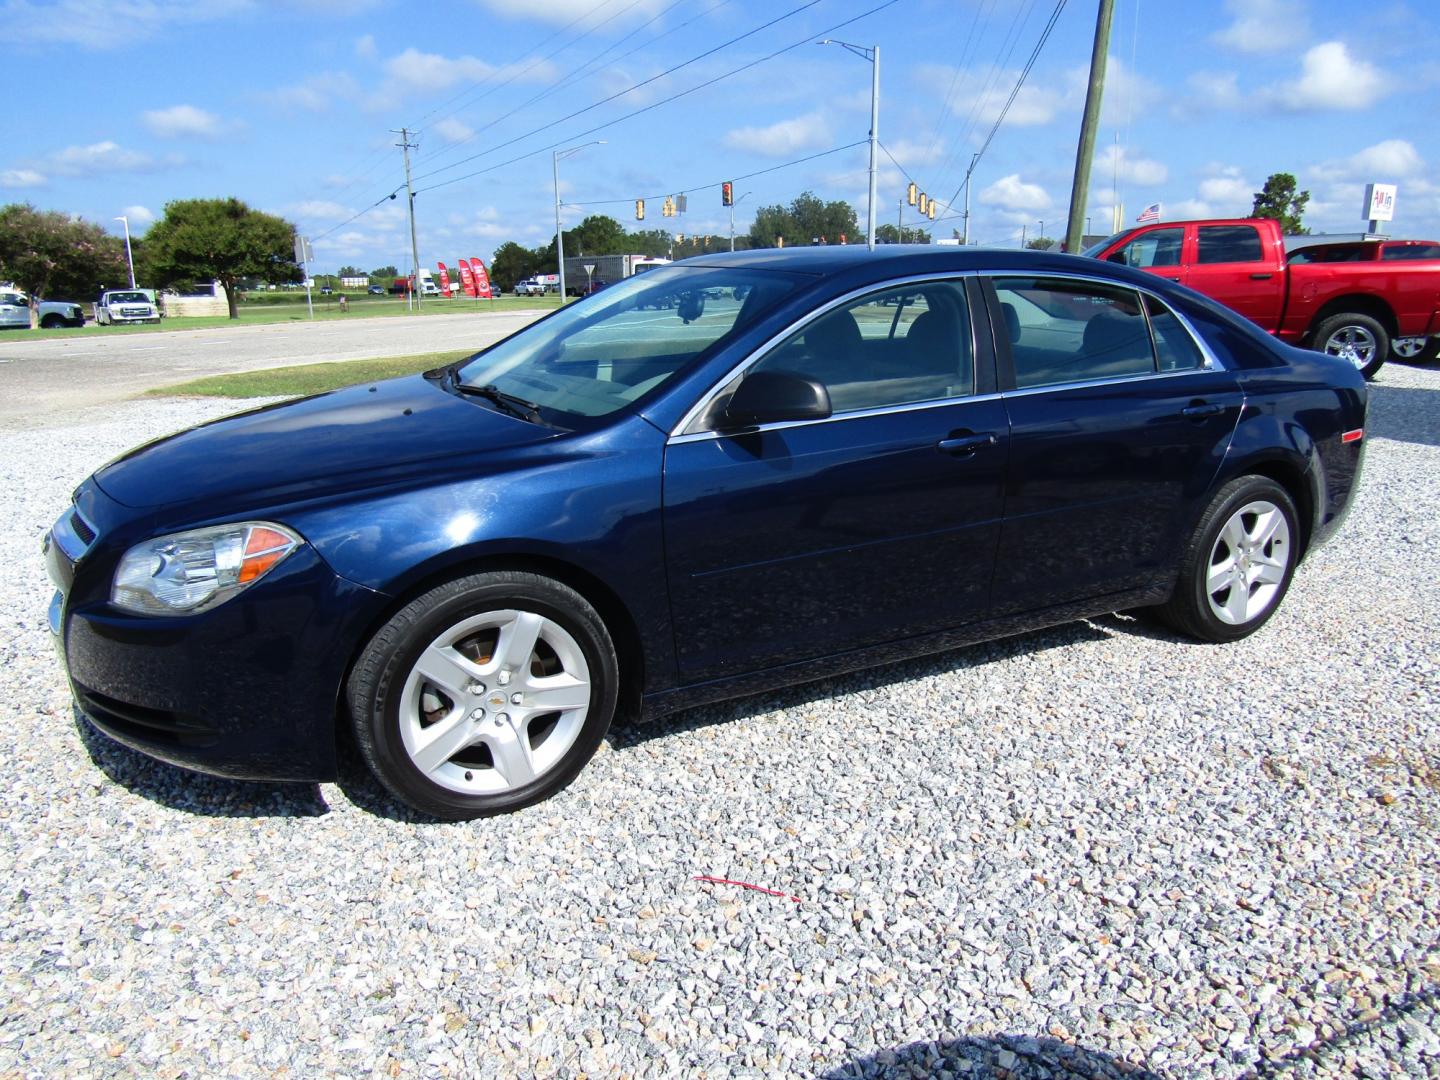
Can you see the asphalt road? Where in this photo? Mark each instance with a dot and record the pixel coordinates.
(54, 375)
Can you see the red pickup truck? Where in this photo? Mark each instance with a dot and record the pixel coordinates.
(1353, 308)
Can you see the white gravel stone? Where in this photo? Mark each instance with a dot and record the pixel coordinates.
(1098, 850)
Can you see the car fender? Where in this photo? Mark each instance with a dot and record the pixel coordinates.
(1269, 444)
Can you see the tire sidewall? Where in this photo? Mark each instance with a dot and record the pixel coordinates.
(378, 705)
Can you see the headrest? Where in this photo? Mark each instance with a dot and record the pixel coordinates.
(1012, 321)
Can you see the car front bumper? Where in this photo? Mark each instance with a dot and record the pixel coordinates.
(250, 689)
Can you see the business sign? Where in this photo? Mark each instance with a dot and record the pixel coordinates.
(1379, 202)
(444, 279)
(467, 279)
(482, 279)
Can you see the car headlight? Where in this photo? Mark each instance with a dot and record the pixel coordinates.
(186, 572)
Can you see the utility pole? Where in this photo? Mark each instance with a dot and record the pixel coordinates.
(1022, 237)
(733, 202)
(1080, 186)
(965, 227)
(406, 146)
(873, 55)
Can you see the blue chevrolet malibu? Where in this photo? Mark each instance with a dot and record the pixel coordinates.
(711, 479)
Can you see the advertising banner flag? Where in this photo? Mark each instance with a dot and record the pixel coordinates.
(482, 279)
(444, 281)
(467, 279)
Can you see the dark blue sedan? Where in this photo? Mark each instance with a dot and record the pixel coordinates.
(708, 480)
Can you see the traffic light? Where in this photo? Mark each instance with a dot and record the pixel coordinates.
(639, 209)
(924, 202)
(910, 193)
(668, 209)
(932, 210)
(679, 238)
(680, 203)
(727, 194)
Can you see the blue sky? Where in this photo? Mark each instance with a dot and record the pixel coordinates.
(118, 107)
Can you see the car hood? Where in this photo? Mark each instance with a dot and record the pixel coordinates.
(365, 436)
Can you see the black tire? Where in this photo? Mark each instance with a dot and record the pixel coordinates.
(1426, 353)
(1192, 609)
(378, 681)
(1368, 343)
(51, 322)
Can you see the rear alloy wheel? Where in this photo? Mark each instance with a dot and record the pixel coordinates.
(1238, 565)
(484, 695)
(1415, 350)
(1356, 338)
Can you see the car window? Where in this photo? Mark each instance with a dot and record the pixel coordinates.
(1064, 331)
(895, 347)
(597, 356)
(1410, 251)
(1175, 349)
(1159, 247)
(1229, 244)
(12, 298)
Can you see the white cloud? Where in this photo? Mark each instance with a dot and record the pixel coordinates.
(452, 130)
(1012, 193)
(182, 121)
(1330, 78)
(319, 210)
(1229, 189)
(1394, 159)
(99, 158)
(365, 47)
(1132, 169)
(1262, 26)
(1187, 210)
(977, 96)
(100, 24)
(563, 11)
(139, 216)
(785, 137)
(316, 93)
(22, 178)
(431, 71)
(1214, 89)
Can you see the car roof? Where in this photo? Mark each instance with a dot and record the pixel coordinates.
(894, 259)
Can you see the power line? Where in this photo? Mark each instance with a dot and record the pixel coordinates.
(1014, 93)
(630, 89)
(656, 104)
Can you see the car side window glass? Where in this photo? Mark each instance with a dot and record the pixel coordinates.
(1065, 331)
(1411, 251)
(1229, 244)
(1175, 349)
(895, 347)
(1158, 247)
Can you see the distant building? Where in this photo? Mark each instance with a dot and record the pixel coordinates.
(358, 281)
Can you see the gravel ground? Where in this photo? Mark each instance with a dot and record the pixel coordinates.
(1095, 851)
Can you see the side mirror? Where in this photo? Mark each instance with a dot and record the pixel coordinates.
(772, 397)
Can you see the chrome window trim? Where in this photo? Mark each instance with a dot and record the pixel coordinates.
(1109, 380)
(1212, 362)
(707, 434)
(760, 352)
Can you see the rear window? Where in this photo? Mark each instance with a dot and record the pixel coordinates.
(1410, 251)
(1229, 244)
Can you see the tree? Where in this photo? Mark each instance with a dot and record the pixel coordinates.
(1279, 201)
(221, 239)
(806, 220)
(1041, 243)
(384, 275)
(48, 253)
(891, 234)
(512, 263)
(349, 271)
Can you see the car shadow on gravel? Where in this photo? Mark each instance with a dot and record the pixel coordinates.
(627, 732)
(1015, 1057)
(195, 793)
(1404, 413)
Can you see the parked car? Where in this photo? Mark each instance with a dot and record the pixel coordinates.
(126, 306)
(1351, 309)
(871, 456)
(54, 314)
(376, 290)
(326, 290)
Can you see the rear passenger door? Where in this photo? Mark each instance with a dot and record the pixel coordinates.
(1118, 424)
(1232, 265)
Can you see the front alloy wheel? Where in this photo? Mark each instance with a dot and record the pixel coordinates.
(485, 694)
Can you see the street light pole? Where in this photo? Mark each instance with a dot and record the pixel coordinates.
(965, 237)
(129, 258)
(873, 55)
(732, 217)
(560, 233)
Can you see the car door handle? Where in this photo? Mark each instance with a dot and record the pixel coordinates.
(959, 445)
(1261, 277)
(1202, 408)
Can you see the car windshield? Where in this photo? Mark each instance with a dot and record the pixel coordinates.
(1095, 249)
(129, 298)
(603, 353)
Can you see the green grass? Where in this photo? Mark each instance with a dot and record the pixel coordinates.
(306, 378)
(294, 311)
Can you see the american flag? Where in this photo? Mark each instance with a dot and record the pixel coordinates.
(1150, 213)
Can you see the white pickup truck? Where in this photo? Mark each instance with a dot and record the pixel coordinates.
(126, 306)
(15, 311)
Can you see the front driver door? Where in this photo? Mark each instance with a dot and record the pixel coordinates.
(798, 540)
